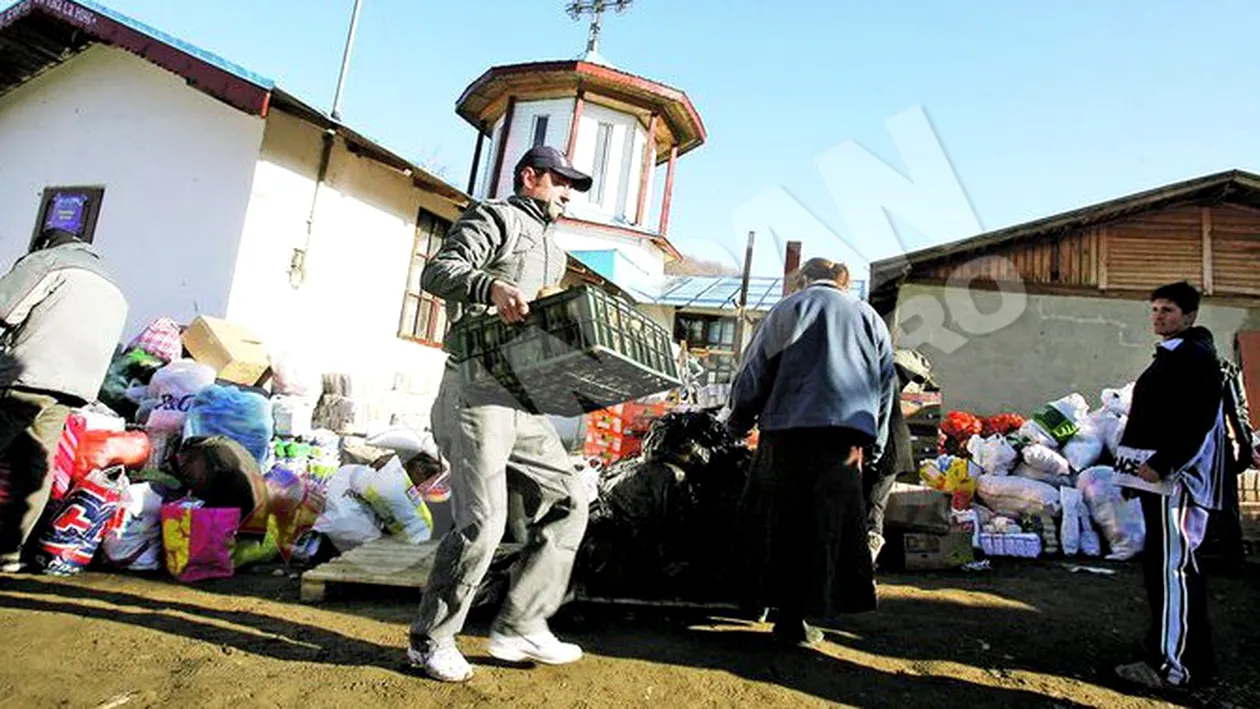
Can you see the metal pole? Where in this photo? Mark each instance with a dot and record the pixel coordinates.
(743, 298)
(791, 262)
(345, 61)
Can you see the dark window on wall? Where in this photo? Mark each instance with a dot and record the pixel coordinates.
(72, 209)
(720, 368)
(423, 315)
(706, 331)
(540, 131)
(599, 172)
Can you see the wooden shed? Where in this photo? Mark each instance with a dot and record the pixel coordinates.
(1084, 276)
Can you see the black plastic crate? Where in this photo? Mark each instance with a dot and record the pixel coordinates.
(578, 351)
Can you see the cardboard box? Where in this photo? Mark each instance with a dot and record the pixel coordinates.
(934, 552)
(235, 353)
(918, 508)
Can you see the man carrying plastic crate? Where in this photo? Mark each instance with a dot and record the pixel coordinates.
(499, 255)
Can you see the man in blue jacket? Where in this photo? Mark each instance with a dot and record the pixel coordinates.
(818, 380)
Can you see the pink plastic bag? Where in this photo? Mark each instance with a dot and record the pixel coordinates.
(160, 338)
(199, 540)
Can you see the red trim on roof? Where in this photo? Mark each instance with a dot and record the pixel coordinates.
(597, 71)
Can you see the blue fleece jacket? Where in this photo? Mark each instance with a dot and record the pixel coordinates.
(820, 358)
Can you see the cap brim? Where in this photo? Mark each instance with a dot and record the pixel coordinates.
(581, 181)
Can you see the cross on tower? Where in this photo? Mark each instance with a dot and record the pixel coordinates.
(594, 8)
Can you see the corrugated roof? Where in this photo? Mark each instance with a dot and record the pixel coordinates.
(722, 292)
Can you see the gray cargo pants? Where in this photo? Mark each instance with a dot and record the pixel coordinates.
(483, 443)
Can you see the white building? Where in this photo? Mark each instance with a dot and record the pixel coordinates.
(197, 180)
(209, 190)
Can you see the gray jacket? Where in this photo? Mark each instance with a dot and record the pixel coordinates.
(821, 358)
(62, 316)
(506, 240)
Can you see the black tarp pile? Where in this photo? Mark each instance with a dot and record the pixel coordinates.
(664, 523)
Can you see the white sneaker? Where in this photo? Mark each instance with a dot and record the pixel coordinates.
(876, 543)
(538, 647)
(444, 663)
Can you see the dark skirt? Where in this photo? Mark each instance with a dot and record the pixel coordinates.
(802, 522)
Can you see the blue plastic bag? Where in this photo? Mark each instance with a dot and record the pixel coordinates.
(243, 416)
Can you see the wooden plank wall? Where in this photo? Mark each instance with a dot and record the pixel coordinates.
(1236, 250)
(1216, 248)
(1156, 248)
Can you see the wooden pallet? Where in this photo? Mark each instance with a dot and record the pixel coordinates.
(388, 561)
(384, 562)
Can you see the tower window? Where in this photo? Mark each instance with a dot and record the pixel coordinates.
(540, 131)
(599, 172)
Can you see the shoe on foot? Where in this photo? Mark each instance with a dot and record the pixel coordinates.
(442, 662)
(875, 541)
(1143, 675)
(797, 633)
(536, 647)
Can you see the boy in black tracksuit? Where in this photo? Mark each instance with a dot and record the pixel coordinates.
(1175, 442)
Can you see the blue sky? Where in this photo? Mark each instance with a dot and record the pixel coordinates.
(1041, 107)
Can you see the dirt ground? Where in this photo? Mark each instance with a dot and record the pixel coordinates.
(1022, 634)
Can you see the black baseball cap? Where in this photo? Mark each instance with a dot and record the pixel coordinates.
(545, 157)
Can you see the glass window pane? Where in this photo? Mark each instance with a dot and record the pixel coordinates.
(599, 172)
(425, 319)
(410, 308)
(540, 131)
(439, 330)
(413, 276)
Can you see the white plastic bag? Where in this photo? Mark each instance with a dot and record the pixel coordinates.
(99, 417)
(995, 454)
(396, 501)
(1047, 460)
(291, 415)
(1087, 445)
(1080, 453)
(170, 394)
(291, 376)
(1117, 433)
(1028, 472)
(1091, 545)
(1073, 406)
(1119, 520)
(347, 520)
(136, 544)
(1077, 529)
(405, 442)
(1012, 496)
(1117, 401)
(1035, 433)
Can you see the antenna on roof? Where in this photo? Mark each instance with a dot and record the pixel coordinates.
(594, 8)
(345, 61)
